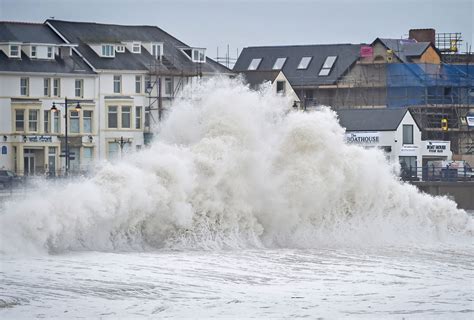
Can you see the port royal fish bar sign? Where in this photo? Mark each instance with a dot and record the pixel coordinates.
(365, 138)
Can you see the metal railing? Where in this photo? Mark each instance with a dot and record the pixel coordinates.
(434, 173)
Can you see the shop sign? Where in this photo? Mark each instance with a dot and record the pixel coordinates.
(409, 149)
(40, 138)
(363, 137)
(436, 147)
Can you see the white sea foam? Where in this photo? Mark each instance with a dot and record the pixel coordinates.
(235, 168)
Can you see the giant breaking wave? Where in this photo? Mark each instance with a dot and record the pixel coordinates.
(235, 168)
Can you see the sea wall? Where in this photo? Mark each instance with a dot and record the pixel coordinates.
(461, 192)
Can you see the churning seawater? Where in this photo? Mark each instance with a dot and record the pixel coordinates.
(240, 208)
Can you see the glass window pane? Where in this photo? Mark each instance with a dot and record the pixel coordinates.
(329, 62)
(20, 120)
(304, 63)
(112, 117)
(74, 122)
(126, 117)
(407, 134)
(279, 63)
(324, 72)
(254, 64)
(87, 121)
(33, 120)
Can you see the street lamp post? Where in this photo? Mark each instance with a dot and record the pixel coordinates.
(54, 109)
(121, 143)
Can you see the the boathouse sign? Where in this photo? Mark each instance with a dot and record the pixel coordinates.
(363, 137)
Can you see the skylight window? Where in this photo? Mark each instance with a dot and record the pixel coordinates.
(327, 66)
(279, 63)
(304, 63)
(254, 64)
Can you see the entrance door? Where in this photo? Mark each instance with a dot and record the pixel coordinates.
(29, 162)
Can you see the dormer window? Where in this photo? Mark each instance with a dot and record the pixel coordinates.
(108, 50)
(14, 51)
(50, 53)
(156, 50)
(120, 48)
(195, 54)
(254, 64)
(33, 51)
(136, 47)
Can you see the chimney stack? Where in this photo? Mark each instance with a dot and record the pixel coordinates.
(423, 35)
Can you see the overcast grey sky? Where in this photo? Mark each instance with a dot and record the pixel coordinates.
(212, 23)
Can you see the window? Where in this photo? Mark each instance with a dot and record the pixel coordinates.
(87, 121)
(14, 51)
(112, 120)
(47, 87)
(304, 63)
(138, 84)
(19, 120)
(156, 50)
(79, 88)
(169, 86)
(199, 55)
(408, 166)
(254, 64)
(407, 134)
(24, 86)
(138, 117)
(33, 51)
(46, 121)
(136, 47)
(280, 88)
(50, 52)
(279, 63)
(126, 112)
(120, 48)
(108, 50)
(87, 156)
(33, 120)
(113, 150)
(117, 84)
(56, 87)
(327, 66)
(147, 82)
(74, 122)
(56, 122)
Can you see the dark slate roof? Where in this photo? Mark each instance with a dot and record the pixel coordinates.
(27, 32)
(347, 54)
(405, 48)
(37, 33)
(256, 78)
(385, 119)
(84, 33)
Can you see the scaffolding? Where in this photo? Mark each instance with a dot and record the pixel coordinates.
(168, 74)
(431, 91)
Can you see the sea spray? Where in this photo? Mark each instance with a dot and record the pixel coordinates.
(235, 168)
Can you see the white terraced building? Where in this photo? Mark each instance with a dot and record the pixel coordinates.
(123, 77)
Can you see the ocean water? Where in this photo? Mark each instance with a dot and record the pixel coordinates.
(241, 208)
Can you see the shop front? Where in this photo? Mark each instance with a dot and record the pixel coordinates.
(36, 155)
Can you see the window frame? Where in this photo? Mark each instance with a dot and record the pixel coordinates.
(81, 88)
(280, 65)
(50, 52)
(138, 84)
(34, 52)
(122, 113)
(117, 79)
(108, 50)
(47, 87)
(56, 92)
(26, 86)
(74, 118)
(327, 66)
(138, 117)
(256, 61)
(116, 113)
(16, 113)
(411, 133)
(18, 51)
(87, 118)
(136, 45)
(304, 63)
(34, 121)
